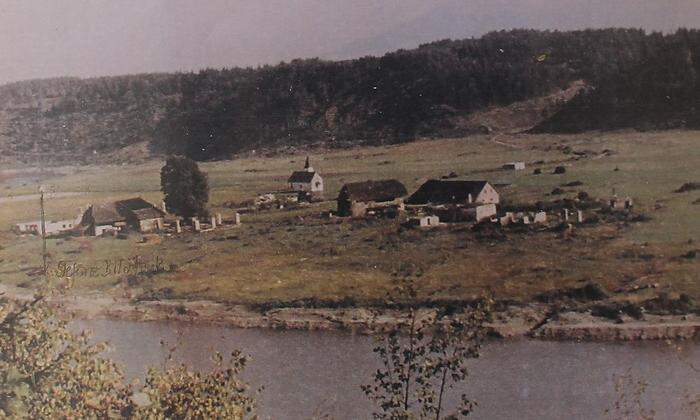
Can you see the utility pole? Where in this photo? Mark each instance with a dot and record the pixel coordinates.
(43, 232)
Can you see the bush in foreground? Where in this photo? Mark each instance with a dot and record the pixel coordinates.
(46, 371)
(422, 359)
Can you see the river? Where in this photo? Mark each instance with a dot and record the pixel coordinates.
(309, 374)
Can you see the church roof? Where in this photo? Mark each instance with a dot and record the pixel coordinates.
(301, 176)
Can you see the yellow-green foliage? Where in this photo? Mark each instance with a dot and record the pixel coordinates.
(179, 393)
(48, 372)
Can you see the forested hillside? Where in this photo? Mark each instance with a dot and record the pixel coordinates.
(633, 80)
(74, 120)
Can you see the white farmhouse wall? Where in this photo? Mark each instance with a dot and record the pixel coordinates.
(485, 212)
(488, 195)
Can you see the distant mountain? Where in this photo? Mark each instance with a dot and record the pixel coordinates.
(541, 80)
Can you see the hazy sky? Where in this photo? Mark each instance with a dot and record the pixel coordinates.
(47, 38)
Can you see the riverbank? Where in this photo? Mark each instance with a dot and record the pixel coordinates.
(533, 321)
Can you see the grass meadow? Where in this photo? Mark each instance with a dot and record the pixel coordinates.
(287, 255)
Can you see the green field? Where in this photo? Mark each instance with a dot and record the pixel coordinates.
(285, 255)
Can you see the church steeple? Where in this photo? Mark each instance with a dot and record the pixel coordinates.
(307, 166)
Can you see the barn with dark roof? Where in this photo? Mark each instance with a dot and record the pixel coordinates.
(437, 192)
(102, 218)
(356, 198)
(115, 216)
(141, 215)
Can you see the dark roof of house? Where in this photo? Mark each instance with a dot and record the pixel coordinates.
(443, 192)
(384, 190)
(117, 211)
(141, 208)
(301, 176)
(104, 214)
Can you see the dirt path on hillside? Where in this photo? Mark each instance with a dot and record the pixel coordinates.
(29, 197)
(494, 139)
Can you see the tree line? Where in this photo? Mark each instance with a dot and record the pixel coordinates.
(638, 79)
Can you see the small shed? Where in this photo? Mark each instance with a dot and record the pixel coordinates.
(141, 215)
(424, 222)
(540, 217)
(514, 166)
(428, 221)
(437, 191)
(356, 198)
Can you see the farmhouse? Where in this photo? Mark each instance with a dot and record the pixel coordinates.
(357, 198)
(116, 216)
(308, 183)
(438, 192)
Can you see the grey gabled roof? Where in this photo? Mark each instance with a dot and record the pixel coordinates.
(103, 214)
(437, 191)
(117, 211)
(384, 190)
(141, 208)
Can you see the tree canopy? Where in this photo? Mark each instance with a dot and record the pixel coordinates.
(185, 187)
(638, 80)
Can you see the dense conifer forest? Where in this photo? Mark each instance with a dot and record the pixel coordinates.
(634, 80)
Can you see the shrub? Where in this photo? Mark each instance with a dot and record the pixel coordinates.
(422, 359)
(46, 371)
(688, 186)
(557, 191)
(179, 393)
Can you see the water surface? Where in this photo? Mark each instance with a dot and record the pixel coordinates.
(307, 374)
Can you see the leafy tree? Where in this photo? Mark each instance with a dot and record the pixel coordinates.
(46, 371)
(185, 187)
(422, 359)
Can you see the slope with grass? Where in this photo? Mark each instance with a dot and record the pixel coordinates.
(295, 256)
